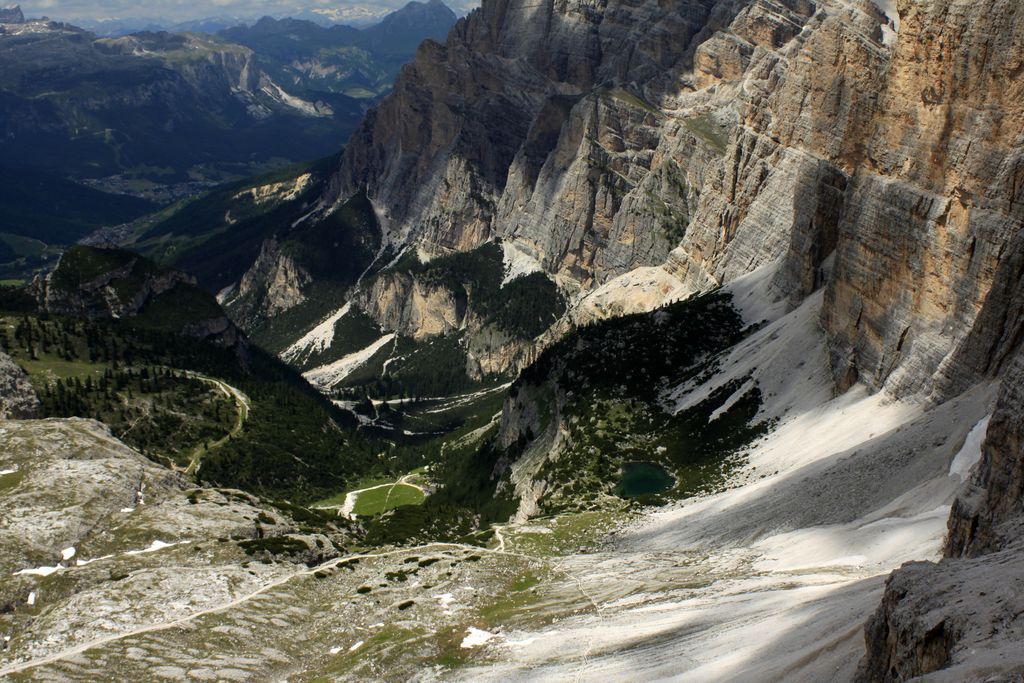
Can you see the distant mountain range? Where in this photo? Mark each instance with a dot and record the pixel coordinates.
(169, 107)
(305, 56)
(162, 115)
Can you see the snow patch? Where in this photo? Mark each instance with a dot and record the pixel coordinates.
(4, 473)
(39, 571)
(356, 646)
(67, 554)
(970, 453)
(477, 637)
(31, 599)
(155, 546)
(445, 601)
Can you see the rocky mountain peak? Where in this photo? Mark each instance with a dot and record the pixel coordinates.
(11, 14)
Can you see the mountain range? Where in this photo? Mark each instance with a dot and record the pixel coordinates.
(150, 118)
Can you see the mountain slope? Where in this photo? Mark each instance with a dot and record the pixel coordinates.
(863, 158)
(141, 347)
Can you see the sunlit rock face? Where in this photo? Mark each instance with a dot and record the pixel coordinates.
(761, 131)
(934, 211)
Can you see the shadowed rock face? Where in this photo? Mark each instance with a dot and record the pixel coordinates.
(989, 514)
(110, 284)
(962, 619)
(18, 400)
(11, 15)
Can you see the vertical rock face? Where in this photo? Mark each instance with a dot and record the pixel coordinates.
(935, 206)
(18, 400)
(271, 286)
(989, 513)
(535, 121)
(711, 138)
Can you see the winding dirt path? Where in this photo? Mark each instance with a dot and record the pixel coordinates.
(243, 406)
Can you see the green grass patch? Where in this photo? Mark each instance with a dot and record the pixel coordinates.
(710, 131)
(376, 501)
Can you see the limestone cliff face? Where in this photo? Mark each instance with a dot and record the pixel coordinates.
(400, 302)
(405, 304)
(521, 126)
(18, 400)
(709, 139)
(273, 285)
(935, 208)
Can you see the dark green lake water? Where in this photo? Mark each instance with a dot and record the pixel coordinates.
(642, 478)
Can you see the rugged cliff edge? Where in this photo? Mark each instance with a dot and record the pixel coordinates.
(18, 400)
(961, 619)
(112, 284)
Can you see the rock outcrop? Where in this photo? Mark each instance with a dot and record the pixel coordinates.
(111, 284)
(962, 619)
(18, 400)
(272, 285)
(400, 302)
(11, 15)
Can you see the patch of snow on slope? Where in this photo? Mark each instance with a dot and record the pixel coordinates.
(155, 546)
(326, 376)
(319, 338)
(477, 637)
(517, 262)
(970, 454)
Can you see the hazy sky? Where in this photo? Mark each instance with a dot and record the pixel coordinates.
(197, 9)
